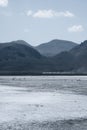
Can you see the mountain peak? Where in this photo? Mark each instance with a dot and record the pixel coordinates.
(55, 47)
(22, 42)
(19, 41)
(85, 42)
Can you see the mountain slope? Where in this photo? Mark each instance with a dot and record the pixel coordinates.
(16, 56)
(80, 54)
(55, 47)
(63, 61)
(74, 60)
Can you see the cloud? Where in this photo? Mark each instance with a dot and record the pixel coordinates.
(29, 12)
(3, 3)
(76, 28)
(44, 14)
(49, 14)
(65, 14)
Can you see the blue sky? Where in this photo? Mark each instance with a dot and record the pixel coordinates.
(39, 21)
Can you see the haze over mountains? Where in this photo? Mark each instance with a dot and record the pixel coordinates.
(54, 47)
(19, 57)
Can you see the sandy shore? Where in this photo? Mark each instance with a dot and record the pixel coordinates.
(22, 109)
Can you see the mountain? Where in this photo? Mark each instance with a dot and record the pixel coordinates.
(74, 60)
(63, 62)
(18, 56)
(55, 47)
(80, 54)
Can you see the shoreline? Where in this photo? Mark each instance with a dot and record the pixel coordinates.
(71, 124)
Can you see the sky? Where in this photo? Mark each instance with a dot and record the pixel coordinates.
(40, 21)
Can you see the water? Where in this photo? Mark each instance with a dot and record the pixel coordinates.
(43, 102)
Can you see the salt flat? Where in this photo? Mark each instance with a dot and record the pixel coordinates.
(29, 100)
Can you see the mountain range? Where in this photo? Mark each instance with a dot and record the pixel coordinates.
(19, 57)
(55, 47)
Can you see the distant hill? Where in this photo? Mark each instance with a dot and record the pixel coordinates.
(63, 62)
(80, 54)
(55, 47)
(18, 57)
(74, 60)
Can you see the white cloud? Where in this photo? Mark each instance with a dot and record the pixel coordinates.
(3, 3)
(49, 14)
(76, 28)
(44, 14)
(64, 14)
(29, 12)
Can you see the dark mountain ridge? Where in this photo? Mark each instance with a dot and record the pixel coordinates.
(15, 56)
(18, 57)
(74, 60)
